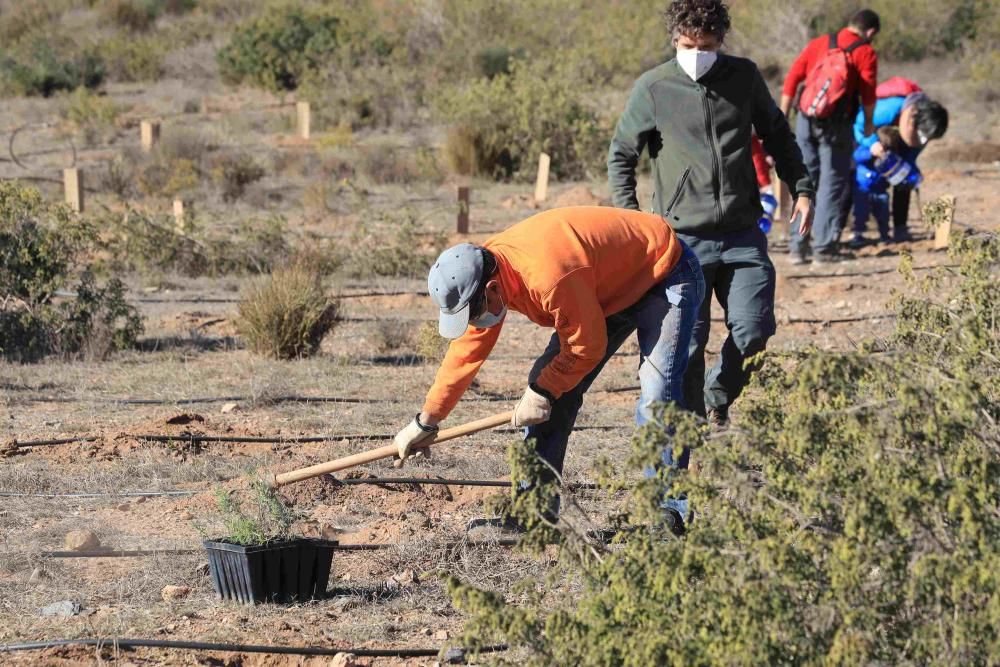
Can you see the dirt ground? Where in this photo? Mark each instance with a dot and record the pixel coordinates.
(191, 364)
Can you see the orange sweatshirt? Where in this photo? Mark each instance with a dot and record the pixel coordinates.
(567, 268)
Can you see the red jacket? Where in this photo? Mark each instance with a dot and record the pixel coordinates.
(864, 72)
(760, 164)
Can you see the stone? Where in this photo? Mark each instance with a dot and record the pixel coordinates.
(63, 608)
(184, 515)
(36, 575)
(139, 499)
(82, 540)
(405, 578)
(344, 660)
(124, 507)
(426, 632)
(170, 593)
(441, 634)
(230, 407)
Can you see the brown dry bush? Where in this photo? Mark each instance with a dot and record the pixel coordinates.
(287, 314)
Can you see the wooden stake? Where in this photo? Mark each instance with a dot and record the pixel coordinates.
(179, 216)
(303, 118)
(73, 186)
(462, 226)
(542, 182)
(149, 131)
(942, 233)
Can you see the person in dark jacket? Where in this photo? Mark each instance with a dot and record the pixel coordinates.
(695, 114)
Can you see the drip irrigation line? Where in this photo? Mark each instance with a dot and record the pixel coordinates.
(840, 320)
(377, 481)
(451, 654)
(107, 494)
(278, 440)
(873, 272)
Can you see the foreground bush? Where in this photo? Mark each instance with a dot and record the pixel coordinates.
(39, 70)
(42, 249)
(287, 314)
(851, 517)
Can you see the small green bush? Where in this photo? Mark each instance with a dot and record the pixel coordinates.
(505, 122)
(92, 115)
(253, 517)
(42, 248)
(130, 58)
(38, 70)
(393, 247)
(235, 173)
(287, 314)
(275, 50)
(431, 345)
(134, 15)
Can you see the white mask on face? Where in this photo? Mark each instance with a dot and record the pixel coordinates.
(696, 63)
(488, 319)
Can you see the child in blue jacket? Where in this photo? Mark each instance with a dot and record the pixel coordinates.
(919, 120)
(881, 164)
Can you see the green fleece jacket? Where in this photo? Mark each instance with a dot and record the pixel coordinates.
(698, 136)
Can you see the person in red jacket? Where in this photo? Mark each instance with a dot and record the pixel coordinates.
(827, 144)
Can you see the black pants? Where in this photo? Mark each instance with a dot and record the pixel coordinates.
(900, 207)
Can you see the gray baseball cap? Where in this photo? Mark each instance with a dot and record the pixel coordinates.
(452, 282)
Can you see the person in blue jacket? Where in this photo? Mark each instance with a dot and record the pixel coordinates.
(919, 120)
(888, 162)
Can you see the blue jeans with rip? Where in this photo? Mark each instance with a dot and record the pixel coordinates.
(663, 319)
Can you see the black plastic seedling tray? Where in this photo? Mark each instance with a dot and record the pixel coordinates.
(285, 571)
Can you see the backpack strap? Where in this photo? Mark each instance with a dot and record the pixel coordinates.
(860, 42)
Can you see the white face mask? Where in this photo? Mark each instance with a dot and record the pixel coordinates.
(696, 63)
(488, 319)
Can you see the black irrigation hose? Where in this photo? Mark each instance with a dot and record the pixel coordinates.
(377, 481)
(356, 295)
(841, 320)
(292, 439)
(451, 654)
(873, 272)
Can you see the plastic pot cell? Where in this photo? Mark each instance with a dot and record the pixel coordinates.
(282, 571)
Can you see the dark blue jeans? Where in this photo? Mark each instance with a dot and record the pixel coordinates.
(874, 204)
(827, 150)
(739, 272)
(663, 319)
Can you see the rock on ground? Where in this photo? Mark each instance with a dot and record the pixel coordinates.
(63, 608)
(82, 540)
(174, 592)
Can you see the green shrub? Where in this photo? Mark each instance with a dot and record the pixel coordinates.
(38, 70)
(133, 15)
(496, 60)
(287, 314)
(431, 345)
(235, 173)
(393, 247)
(852, 516)
(128, 58)
(42, 247)
(505, 122)
(276, 49)
(92, 115)
(253, 517)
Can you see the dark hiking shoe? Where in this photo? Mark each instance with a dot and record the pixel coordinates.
(797, 259)
(857, 241)
(832, 257)
(901, 235)
(718, 417)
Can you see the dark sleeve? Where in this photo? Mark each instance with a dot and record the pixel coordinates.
(632, 134)
(779, 142)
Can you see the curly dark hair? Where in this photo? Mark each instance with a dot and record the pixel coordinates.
(697, 17)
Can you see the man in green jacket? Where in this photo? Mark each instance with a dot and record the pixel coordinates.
(695, 114)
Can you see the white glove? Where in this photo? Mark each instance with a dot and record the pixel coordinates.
(533, 408)
(413, 434)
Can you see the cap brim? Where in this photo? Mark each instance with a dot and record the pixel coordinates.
(453, 325)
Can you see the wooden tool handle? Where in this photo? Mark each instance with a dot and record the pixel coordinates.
(386, 451)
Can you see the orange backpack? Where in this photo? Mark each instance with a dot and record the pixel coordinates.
(825, 92)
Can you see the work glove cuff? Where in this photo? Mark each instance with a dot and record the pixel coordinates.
(426, 428)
